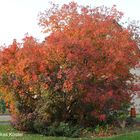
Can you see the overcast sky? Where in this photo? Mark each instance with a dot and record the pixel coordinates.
(18, 17)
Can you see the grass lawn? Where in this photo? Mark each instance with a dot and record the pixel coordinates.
(8, 130)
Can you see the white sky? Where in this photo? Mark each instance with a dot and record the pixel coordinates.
(17, 17)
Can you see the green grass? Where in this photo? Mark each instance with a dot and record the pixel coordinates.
(7, 129)
(137, 117)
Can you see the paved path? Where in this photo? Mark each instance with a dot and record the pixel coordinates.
(5, 117)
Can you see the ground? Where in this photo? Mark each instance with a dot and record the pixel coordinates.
(8, 133)
(5, 117)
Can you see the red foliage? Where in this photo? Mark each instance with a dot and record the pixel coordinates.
(102, 117)
(87, 52)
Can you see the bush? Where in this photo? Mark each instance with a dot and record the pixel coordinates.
(40, 127)
(23, 122)
(58, 129)
(2, 106)
(80, 74)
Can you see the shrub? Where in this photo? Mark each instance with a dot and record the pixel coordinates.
(80, 74)
(58, 129)
(23, 122)
(2, 106)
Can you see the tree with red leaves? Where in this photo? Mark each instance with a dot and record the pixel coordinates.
(95, 55)
(79, 74)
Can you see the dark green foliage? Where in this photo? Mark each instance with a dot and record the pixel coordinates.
(2, 106)
(58, 129)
